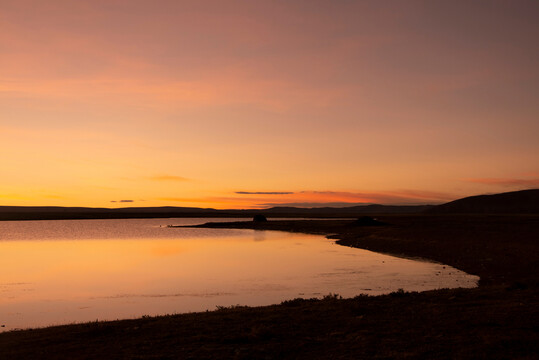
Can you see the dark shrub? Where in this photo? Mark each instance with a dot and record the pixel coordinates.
(259, 218)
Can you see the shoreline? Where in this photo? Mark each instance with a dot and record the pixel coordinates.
(500, 314)
(456, 240)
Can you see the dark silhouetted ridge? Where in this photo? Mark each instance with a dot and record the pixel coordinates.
(59, 213)
(515, 202)
(351, 211)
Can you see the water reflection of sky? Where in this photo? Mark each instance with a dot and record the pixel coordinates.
(150, 269)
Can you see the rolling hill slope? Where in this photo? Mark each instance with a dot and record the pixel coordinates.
(515, 202)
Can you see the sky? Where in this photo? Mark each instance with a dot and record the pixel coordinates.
(251, 104)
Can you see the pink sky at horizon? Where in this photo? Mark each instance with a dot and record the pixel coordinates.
(223, 104)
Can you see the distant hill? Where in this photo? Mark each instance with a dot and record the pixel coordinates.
(351, 211)
(57, 213)
(515, 202)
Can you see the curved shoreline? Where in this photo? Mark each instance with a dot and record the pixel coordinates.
(490, 246)
(498, 319)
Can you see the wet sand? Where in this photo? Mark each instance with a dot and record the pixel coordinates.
(499, 319)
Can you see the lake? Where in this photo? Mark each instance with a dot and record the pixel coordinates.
(65, 271)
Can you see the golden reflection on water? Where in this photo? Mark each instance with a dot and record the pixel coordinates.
(50, 282)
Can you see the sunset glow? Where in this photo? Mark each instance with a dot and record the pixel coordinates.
(252, 104)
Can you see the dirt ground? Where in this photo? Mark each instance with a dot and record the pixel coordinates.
(499, 319)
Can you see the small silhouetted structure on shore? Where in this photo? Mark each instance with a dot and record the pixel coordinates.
(259, 218)
(368, 221)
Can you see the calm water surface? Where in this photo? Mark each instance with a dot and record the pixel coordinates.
(57, 272)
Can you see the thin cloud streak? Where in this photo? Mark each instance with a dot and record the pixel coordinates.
(385, 197)
(264, 192)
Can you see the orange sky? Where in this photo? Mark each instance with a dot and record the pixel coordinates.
(238, 104)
